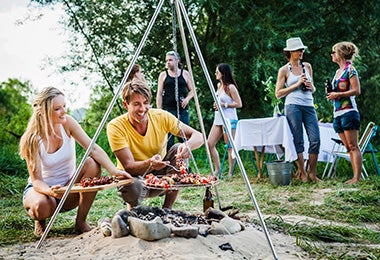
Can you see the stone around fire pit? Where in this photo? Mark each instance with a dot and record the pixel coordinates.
(226, 226)
(187, 232)
(148, 230)
(120, 223)
(153, 223)
(119, 227)
(105, 226)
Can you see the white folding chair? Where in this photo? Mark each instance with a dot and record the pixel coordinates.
(331, 162)
(368, 134)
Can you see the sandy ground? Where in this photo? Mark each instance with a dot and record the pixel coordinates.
(248, 244)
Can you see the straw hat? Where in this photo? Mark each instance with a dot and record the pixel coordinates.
(293, 44)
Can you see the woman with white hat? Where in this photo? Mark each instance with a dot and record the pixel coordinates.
(295, 83)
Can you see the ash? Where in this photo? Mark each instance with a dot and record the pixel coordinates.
(175, 217)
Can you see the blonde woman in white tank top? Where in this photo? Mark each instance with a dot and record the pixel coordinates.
(48, 146)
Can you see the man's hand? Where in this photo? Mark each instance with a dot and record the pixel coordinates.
(156, 163)
(183, 151)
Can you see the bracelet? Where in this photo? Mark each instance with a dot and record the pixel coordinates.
(226, 105)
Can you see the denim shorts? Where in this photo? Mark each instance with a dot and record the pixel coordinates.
(347, 121)
(233, 123)
(29, 186)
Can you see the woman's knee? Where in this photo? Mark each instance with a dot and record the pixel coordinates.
(92, 168)
(352, 147)
(210, 145)
(41, 209)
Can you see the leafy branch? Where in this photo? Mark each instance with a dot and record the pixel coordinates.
(270, 90)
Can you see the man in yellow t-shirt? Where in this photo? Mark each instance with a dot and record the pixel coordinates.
(138, 139)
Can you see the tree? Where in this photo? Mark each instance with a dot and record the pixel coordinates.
(15, 112)
(249, 35)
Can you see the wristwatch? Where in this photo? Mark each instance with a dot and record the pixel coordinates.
(226, 105)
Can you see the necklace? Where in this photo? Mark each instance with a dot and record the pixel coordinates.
(300, 63)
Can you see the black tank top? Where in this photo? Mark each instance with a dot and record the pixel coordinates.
(168, 95)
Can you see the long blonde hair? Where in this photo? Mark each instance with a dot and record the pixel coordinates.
(39, 126)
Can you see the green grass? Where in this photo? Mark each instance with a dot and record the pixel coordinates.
(335, 221)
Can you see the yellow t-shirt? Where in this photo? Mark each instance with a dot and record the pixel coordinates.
(121, 134)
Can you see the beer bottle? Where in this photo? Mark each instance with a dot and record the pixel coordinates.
(208, 200)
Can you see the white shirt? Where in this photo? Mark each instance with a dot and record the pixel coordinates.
(229, 112)
(298, 96)
(58, 167)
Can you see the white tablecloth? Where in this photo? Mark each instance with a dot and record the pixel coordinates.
(270, 132)
(327, 132)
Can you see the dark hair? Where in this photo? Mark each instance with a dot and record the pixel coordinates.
(227, 77)
(134, 70)
(287, 54)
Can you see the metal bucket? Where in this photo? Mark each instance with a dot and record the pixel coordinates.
(279, 172)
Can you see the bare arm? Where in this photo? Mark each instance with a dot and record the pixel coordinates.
(354, 91)
(39, 184)
(190, 89)
(194, 140)
(97, 153)
(234, 93)
(160, 89)
(281, 78)
(137, 168)
(129, 164)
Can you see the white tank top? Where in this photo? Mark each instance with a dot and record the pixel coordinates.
(298, 96)
(229, 112)
(58, 167)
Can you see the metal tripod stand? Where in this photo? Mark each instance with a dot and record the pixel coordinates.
(179, 8)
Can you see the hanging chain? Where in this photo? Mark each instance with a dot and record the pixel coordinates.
(174, 28)
(174, 41)
(178, 100)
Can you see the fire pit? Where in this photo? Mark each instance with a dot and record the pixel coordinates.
(153, 223)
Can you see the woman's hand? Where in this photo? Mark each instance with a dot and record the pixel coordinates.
(120, 174)
(184, 102)
(55, 194)
(302, 80)
(332, 95)
(309, 85)
(215, 107)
